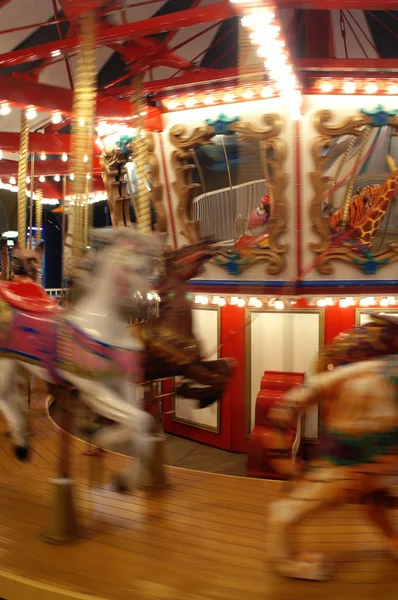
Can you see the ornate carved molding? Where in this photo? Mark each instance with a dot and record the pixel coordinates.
(183, 185)
(331, 248)
(186, 189)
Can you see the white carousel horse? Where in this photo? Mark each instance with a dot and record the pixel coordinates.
(88, 347)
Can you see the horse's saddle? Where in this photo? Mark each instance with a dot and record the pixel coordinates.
(25, 295)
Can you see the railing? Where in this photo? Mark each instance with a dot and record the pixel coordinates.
(55, 292)
(223, 214)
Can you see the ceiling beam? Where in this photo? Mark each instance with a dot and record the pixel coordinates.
(24, 92)
(373, 65)
(194, 77)
(121, 33)
(339, 4)
(50, 143)
(48, 168)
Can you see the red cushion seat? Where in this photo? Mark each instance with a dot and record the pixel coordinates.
(23, 294)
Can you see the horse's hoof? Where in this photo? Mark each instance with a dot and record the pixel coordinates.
(205, 402)
(22, 453)
(124, 483)
(312, 567)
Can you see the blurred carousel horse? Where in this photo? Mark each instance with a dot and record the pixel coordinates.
(172, 348)
(358, 459)
(87, 348)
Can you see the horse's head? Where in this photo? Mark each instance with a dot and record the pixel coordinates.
(187, 262)
(27, 262)
(126, 266)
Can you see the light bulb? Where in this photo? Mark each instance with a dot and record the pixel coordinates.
(88, 176)
(42, 178)
(56, 118)
(43, 156)
(57, 178)
(279, 304)
(228, 97)
(55, 53)
(371, 88)
(326, 86)
(64, 157)
(85, 158)
(72, 176)
(209, 100)
(13, 181)
(349, 87)
(31, 113)
(321, 302)
(391, 89)
(28, 180)
(82, 122)
(1, 154)
(248, 94)
(190, 102)
(5, 109)
(384, 302)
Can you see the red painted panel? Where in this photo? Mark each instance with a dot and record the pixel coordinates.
(332, 323)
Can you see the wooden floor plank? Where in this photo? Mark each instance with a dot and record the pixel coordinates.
(204, 538)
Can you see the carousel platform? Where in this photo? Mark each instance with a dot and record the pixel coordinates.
(203, 538)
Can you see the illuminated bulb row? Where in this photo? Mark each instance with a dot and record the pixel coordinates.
(350, 86)
(265, 34)
(363, 302)
(225, 97)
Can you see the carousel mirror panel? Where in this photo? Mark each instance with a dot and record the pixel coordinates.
(230, 181)
(297, 338)
(354, 210)
(206, 327)
(364, 315)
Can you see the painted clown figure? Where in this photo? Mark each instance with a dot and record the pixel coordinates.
(257, 226)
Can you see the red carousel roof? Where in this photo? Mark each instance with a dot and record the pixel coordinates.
(177, 45)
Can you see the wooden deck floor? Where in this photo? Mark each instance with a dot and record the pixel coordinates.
(204, 538)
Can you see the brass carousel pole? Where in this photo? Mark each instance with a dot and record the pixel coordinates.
(151, 474)
(63, 525)
(22, 174)
(39, 215)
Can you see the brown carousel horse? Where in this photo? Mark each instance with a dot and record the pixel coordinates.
(172, 348)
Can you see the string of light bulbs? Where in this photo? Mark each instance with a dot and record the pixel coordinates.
(265, 33)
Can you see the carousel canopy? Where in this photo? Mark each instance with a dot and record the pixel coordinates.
(175, 45)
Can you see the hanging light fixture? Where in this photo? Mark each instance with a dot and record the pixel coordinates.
(5, 109)
(56, 118)
(31, 113)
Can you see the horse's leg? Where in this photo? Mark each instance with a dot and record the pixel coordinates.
(13, 405)
(322, 489)
(134, 426)
(377, 512)
(213, 375)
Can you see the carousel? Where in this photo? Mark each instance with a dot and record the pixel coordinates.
(199, 238)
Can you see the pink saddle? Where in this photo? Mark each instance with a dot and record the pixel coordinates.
(23, 294)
